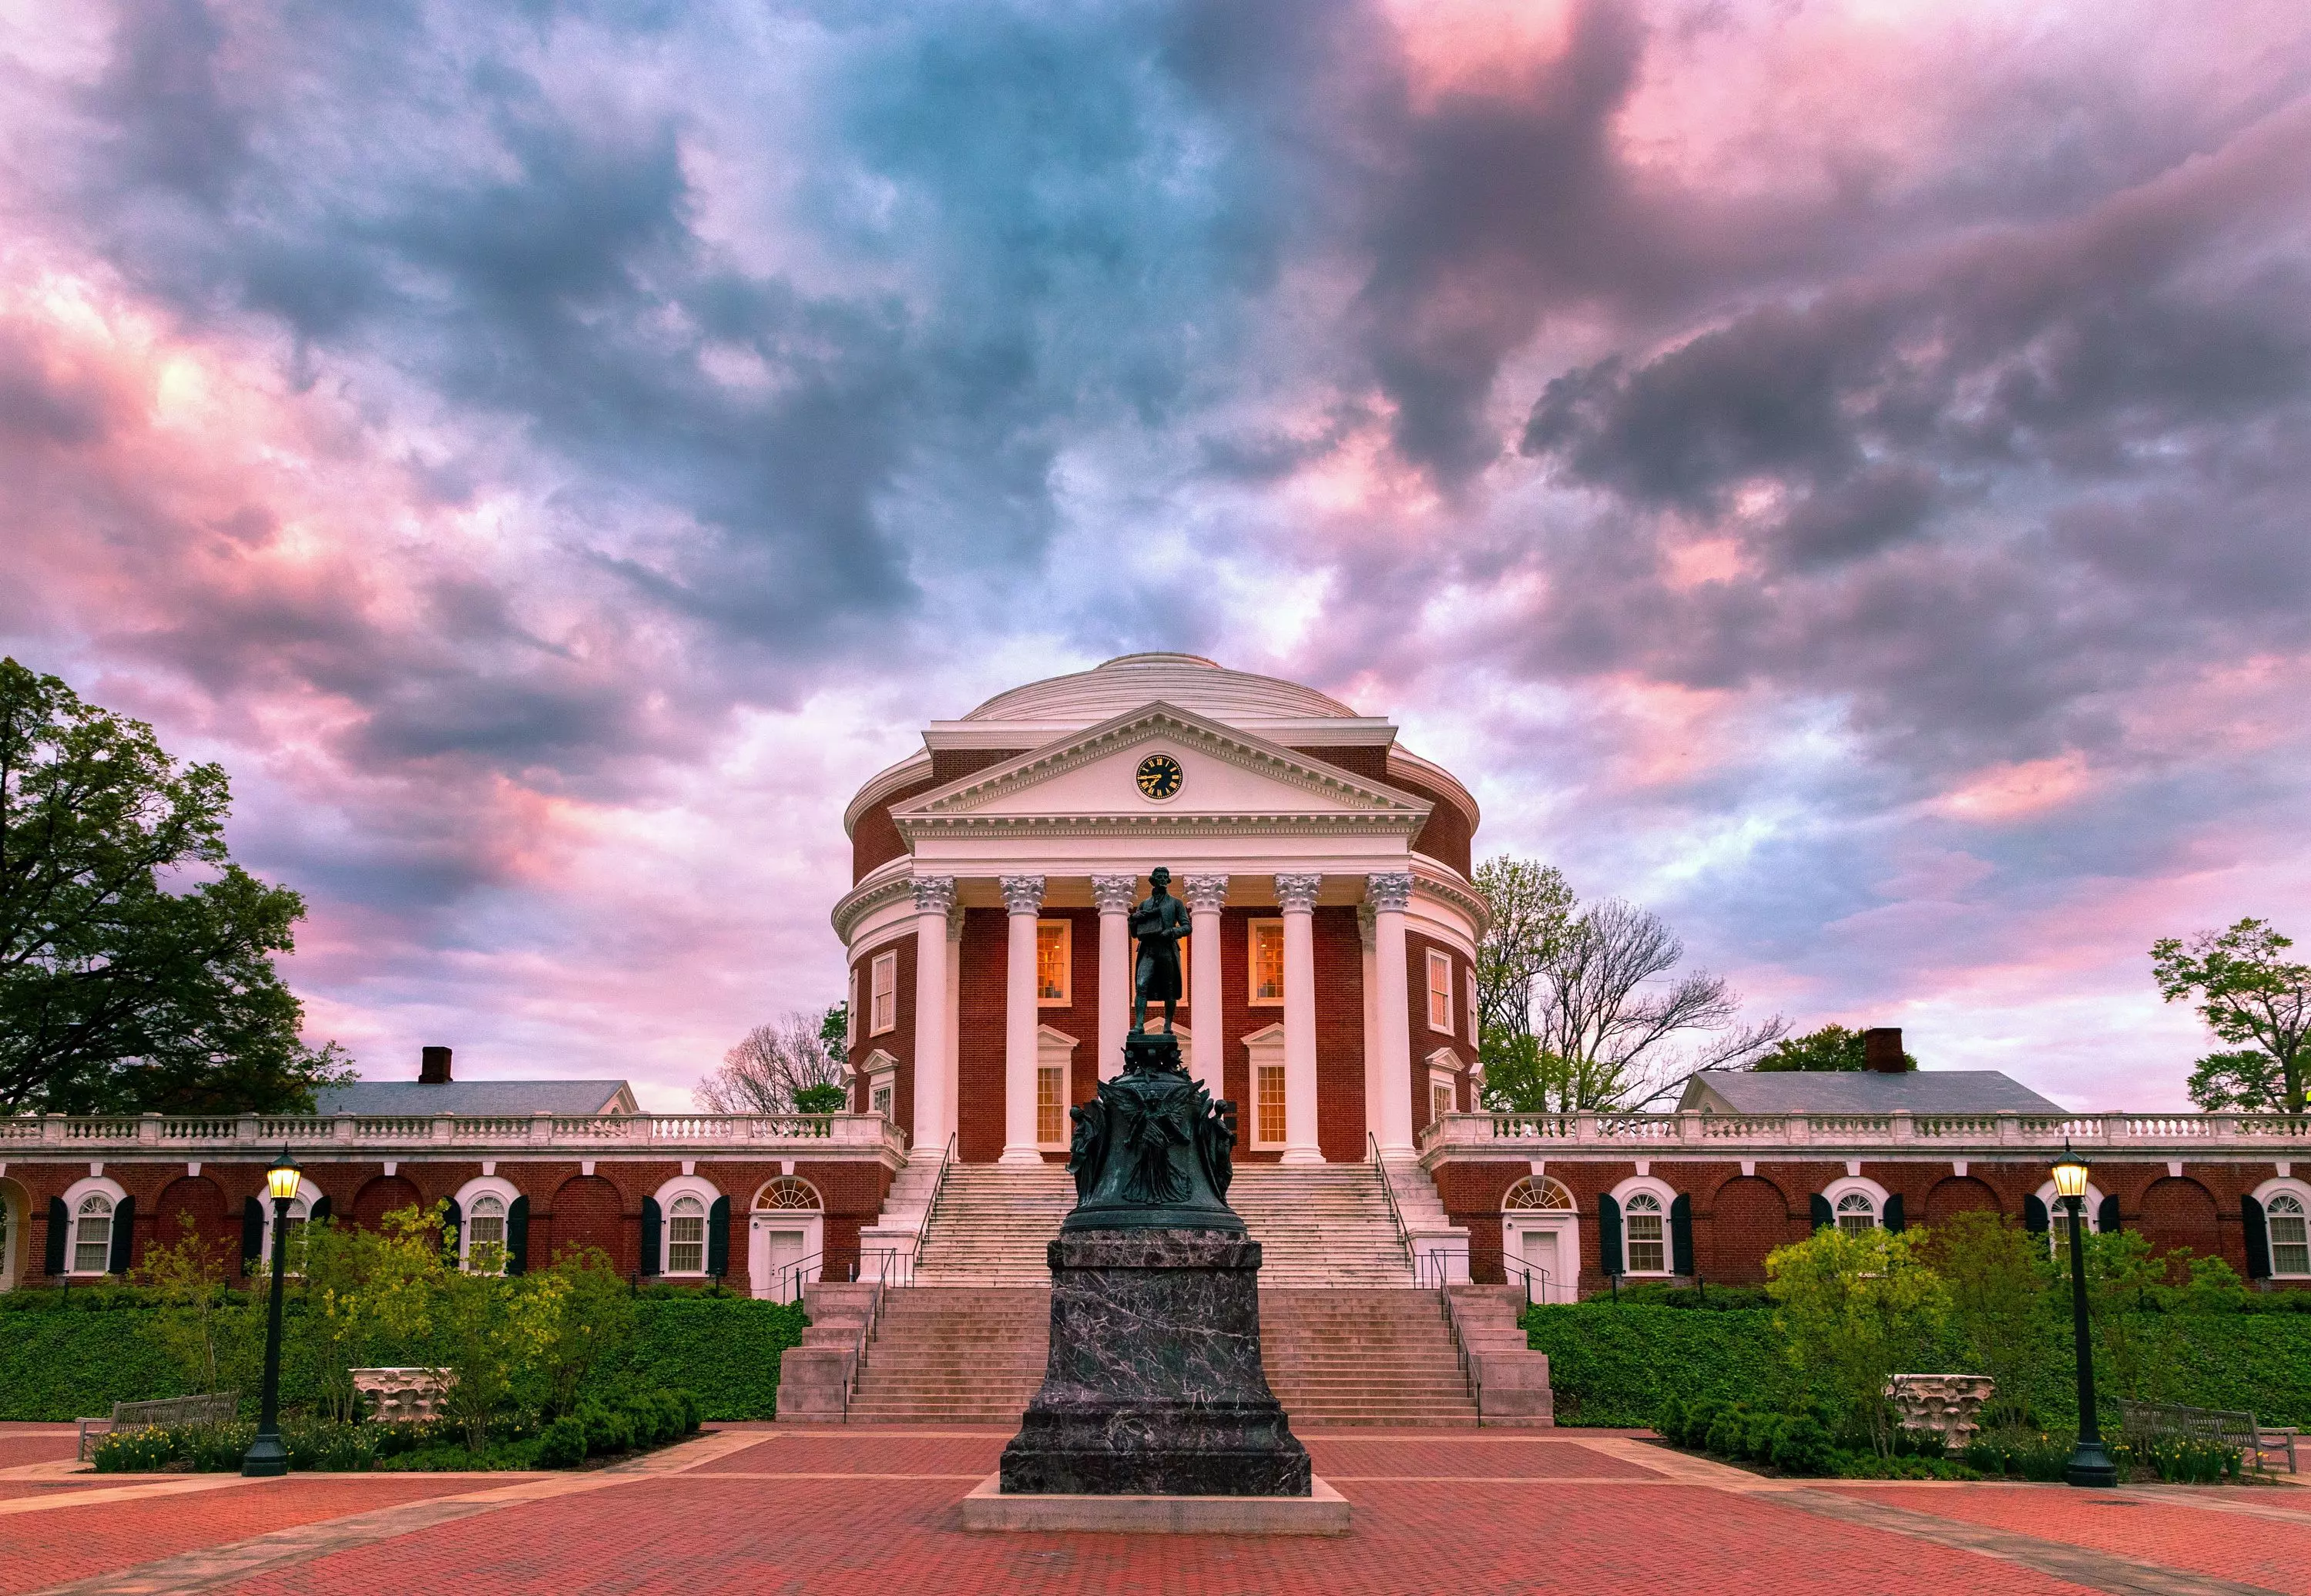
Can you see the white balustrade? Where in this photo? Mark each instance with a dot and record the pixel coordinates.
(871, 1135)
(1947, 1134)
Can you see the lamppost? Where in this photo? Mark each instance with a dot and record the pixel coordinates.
(2090, 1464)
(268, 1456)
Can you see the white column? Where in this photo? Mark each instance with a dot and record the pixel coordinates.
(1114, 895)
(1022, 898)
(1390, 894)
(1297, 896)
(935, 1118)
(1207, 895)
(1365, 935)
(954, 1077)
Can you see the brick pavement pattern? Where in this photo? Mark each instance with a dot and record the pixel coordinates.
(2266, 1552)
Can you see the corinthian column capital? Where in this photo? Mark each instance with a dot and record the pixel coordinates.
(934, 894)
(1114, 894)
(1297, 893)
(1389, 889)
(1023, 894)
(1206, 894)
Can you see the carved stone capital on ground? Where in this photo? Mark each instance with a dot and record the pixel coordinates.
(1297, 893)
(1023, 894)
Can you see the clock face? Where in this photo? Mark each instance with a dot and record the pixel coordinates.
(1159, 776)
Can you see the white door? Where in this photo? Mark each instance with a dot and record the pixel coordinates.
(1536, 1250)
(782, 1251)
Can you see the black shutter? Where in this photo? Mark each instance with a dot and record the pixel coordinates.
(518, 1237)
(717, 1238)
(59, 1224)
(319, 1211)
(2107, 1217)
(1608, 1232)
(1821, 1215)
(124, 1236)
(252, 1236)
(2258, 1239)
(1680, 1235)
(2034, 1218)
(454, 1222)
(1894, 1219)
(653, 1237)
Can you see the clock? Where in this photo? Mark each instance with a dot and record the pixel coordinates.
(1159, 776)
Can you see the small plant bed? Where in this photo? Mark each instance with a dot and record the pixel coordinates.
(593, 1435)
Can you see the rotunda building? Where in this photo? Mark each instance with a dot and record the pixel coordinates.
(1328, 978)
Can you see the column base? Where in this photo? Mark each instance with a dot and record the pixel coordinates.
(1301, 1155)
(1022, 1156)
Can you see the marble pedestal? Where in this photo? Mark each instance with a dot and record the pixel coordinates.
(1155, 1386)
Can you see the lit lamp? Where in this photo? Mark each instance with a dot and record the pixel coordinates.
(268, 1456)
(2090, 1464)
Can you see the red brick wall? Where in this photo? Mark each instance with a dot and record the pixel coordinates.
(585, 1211)
(1340, 1118)
(985, 952)
(899, 1041)
(1957, 1194)
(381, 1195)
(2178, 1213)
(1426, 1040)
(875, 840)
(203, 1199)
(1447, 833)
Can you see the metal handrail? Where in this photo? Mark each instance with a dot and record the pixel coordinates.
(893, 1258)
(1526, 1271)
(1388, 1190)
(938, 1184)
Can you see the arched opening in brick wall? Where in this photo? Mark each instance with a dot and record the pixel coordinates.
(1748, 1218)
(587, 1213)
(203, 1199)
(380, 1197)
(2179, 1212)
(1958, 1194)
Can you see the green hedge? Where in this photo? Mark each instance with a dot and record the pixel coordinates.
(73, 1355)
(1617, 1365)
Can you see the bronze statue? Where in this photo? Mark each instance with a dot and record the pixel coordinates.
(1158, 926)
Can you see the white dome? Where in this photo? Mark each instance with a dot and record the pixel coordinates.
(1191, 682)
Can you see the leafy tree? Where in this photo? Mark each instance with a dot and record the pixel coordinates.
(1853, 1308)
(2249, 993)
(819, 1100)
(136, 957)
(1832, 1049)
(834, 1033)
(186, 1276)
(1999, 1279)
(591, 1324)
(1529, 903)
(770, 1068)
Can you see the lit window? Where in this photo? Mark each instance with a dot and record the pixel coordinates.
(1051, 1106)
(1857, 1213)
(1053, 948)
(92, 1235)
(883, 974)
(485, 1234)
(685, 1237)
(1268, 961)
(2290, 1241)
(1268, 1099)
(1440, 992)
(1643, 1225)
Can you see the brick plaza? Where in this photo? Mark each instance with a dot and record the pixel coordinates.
(866, 1509)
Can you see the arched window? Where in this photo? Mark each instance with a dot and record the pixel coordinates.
(485, 1234)
(1544, 1194)
(92, 1252)
(685, 1237)
(2289, 1226)
(788, 1192)
(1645, 1232)
(301, 1210)
(1857, 1213)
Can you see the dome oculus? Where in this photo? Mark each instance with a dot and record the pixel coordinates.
(1159, 777)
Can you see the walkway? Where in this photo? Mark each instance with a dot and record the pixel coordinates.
(752, 1509)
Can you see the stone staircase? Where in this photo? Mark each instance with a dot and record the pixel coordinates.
(955, 1354)
(1362, 1357)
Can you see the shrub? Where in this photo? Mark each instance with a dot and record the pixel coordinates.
(564, 1443)
(1725, 1433)
(140, 1451)
(2181, 1461)
(691, 1414)
(607, 1431)
(2019, 1454)
(1804, 1446)
(1855, 1307)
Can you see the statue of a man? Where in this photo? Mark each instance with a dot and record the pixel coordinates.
(1157, 926)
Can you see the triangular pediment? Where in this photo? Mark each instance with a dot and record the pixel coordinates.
(1093, 776)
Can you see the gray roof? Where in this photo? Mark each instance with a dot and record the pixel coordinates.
(473, 1098)
(1863, 1092)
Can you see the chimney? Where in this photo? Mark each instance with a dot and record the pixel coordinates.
(433, 1063)
(1882, 1050)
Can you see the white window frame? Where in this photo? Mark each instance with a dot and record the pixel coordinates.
(1253, 929)
(667, 1195)
(1847, 1186)
(481, 1186)
(14, 1206)
(301, 1215)
(1653, 1187)
(1055, 1050)
(1066, 930)
(2058, 1215)
(851, 1018)
(762, 1219)
(1445, 1072)
(76, 1194)
(1264, 1048)
(880, 1022)
(1474, 1015)
(2283, 1186)
(1440, 998)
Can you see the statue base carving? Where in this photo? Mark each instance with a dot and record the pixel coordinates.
(1155, 1386)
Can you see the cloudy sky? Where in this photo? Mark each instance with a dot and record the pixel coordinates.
(1834, 473)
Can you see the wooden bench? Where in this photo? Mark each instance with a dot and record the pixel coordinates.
(217, 1407)
(2254, 1441)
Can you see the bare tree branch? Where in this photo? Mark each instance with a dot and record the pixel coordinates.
(770, 1065)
